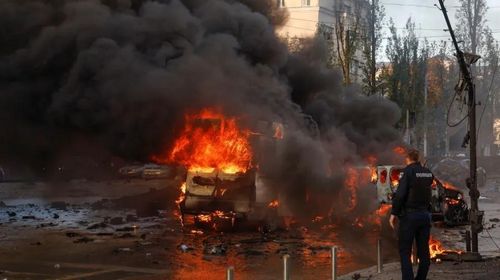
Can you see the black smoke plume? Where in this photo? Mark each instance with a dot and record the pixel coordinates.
(119, 75)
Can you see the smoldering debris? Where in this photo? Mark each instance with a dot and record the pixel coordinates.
(120, 75)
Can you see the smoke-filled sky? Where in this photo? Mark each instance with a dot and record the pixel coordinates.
(119, 75)
(429, 20)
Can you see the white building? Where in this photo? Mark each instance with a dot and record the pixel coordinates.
(306, 16)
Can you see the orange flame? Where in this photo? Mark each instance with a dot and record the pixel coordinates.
(211, 141)
(278, 131)
(274, 204)
(449, 186)
(374, 176)
(399, 150)
(383, 210)
(435, 247)
(183, 193)
(351, 182)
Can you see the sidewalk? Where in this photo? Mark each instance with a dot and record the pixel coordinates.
(487, 270)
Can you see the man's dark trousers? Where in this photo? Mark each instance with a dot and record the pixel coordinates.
(414, 226)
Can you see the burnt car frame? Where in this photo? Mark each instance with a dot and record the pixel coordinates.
(447, 202)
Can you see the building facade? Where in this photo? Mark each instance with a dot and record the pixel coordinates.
(337, 20)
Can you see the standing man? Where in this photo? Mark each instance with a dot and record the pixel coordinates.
(411, 205)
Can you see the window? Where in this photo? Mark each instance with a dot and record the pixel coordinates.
(281, 3)
(306, 2)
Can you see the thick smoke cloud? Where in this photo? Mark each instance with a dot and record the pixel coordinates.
(120, 75)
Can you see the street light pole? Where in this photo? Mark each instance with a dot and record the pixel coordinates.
(476, 216)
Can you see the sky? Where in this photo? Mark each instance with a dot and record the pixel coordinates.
(429, 20)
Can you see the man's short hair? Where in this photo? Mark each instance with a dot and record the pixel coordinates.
(413, 154)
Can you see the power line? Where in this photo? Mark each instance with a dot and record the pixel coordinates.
(496, 30)
(414, 5)
(428, 6)
(304, 28)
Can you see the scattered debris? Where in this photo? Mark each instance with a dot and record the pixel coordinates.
(38, 243)
(2, 204)
(495, 220)
(57, 266)
(55, 216)
(30, 217)
(218, 250)
(184, 248)
(11, 214)
(356, 276)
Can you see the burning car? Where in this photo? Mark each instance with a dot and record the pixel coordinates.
(213, 193)
(447, 202)
(220, 183)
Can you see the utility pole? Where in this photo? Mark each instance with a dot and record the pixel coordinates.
(475, 216)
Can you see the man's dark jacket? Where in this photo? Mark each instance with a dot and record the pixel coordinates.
(414, 190)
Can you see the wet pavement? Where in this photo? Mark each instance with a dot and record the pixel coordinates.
(53, 232)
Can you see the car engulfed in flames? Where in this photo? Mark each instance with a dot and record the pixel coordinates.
(209, 191)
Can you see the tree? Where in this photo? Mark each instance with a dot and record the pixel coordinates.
(472, 29)
(371, 44)
(471, 23)
(346, 30)
(404, 76)
(442, 71)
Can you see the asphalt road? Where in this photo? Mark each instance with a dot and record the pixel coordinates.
(80, 242)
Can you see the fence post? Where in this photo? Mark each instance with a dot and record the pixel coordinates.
(379, 256)
(286, 267)
(230, 273)
(334, 263)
